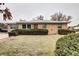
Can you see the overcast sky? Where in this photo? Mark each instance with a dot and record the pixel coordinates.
(30, 10)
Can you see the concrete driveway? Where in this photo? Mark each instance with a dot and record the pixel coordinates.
(3, 37)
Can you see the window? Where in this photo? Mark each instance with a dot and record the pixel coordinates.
(59, 26)
(23, 26)
(44, 26)
(28, 25)
(35, 26)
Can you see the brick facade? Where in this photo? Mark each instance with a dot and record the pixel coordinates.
(52, 28)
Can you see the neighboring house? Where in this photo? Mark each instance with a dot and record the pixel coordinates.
(76, 28)
(51, 26)
(3, 26)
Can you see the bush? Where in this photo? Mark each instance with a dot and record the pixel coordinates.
(32, 31)
(29, 32)
(65, 32)
(68, 45)
(13, 33)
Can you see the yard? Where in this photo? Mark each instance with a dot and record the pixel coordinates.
(24, 45)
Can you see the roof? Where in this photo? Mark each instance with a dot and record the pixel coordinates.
(43, 21)
(37, 21)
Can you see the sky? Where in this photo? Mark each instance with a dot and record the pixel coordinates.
(28, 11)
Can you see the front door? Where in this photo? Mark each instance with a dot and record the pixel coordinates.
(35, 26)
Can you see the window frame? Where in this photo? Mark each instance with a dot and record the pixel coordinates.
(24, 27)
(59, 26)
(28, 27)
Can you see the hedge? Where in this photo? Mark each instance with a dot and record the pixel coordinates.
(13, 33)
(65, 31)
(68, 45)
(30, 31)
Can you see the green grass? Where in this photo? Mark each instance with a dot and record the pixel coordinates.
(31, 45)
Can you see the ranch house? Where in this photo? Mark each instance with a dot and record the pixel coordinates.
(51, 26)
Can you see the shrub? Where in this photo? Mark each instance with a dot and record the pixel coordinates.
(65, 31)
(32, 31)
(13, 33)
(29, 32)
(68, 45)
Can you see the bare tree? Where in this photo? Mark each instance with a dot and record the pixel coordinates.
(40, 17)
(69, 17)
(60, 17)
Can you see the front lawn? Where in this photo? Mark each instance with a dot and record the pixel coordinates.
(29, 45)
